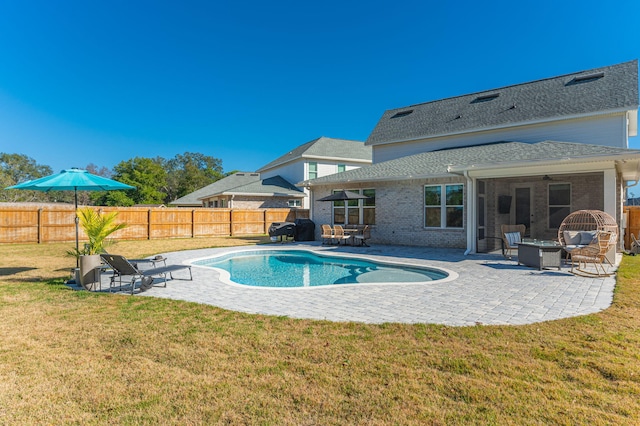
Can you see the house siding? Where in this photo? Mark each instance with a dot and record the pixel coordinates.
(246, 202)
(609, 130)
(399, 214)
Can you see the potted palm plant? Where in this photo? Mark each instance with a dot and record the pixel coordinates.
(97, 227)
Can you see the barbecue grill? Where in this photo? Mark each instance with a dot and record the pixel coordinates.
(284, 230)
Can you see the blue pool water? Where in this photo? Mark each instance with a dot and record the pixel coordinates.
(297, 268)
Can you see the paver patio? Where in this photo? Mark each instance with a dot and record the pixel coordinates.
(488, 290)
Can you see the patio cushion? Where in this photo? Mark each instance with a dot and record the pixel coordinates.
(513, 238)
(586, 237)
(571, 238)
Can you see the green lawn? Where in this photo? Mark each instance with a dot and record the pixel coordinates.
(74, 357)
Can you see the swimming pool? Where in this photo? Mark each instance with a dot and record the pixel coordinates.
(301, 268)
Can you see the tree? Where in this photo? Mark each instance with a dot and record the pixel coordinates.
(18, 168)
(146, 174)
(189, 172)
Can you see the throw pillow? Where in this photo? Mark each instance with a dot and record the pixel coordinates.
(586, 237)
(571, 238)
(513, 238)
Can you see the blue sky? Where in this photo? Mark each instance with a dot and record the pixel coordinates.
(105, 81)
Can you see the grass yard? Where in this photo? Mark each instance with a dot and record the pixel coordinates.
(74, 357)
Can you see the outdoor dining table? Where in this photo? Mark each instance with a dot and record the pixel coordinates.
(351, 232)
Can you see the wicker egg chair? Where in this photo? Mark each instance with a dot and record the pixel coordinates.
(589, 220)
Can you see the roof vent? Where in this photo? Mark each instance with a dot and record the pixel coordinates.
(485, 98)
(402, 113)
(586, 78)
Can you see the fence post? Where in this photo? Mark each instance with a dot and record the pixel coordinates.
(264, 222)
(40, 226)
(193, 223)
(149, 224)
(231, 222)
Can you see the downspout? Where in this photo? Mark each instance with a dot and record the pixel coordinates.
(471, 216)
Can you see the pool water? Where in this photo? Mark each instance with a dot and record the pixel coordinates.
(298, 268)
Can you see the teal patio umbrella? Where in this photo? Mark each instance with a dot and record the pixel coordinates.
(72, 180)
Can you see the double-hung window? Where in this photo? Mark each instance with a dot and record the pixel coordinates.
(355, 212)
(312, 171)
(559, 203)
(443, 206)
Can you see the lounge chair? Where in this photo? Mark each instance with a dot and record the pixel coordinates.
(327, 234)
(123, 267)
(511, 236)
(362, 238)
(595, 254)
(339, 235)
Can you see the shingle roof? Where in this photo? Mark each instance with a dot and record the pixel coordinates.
(325, 147)
(242, 183)
(273, 186)
(438, 163)
(611, 88)
(231, 181)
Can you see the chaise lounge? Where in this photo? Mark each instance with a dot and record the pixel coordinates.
(123, 267)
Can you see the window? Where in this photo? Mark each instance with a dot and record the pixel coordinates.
(443, 206)
(294, 203)
(402, 113)
(341, 168)
(559, 203)
(356, 212)
(313, 170)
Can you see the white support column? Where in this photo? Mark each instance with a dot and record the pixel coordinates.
(610, 192)
(472, 214)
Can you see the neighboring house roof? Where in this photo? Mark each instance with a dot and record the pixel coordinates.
(598, 91)
(242, 183)
(275, 186)
(232, 181)
(496, 155)
(325, 148)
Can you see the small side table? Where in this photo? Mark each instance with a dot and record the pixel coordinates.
(540, 254)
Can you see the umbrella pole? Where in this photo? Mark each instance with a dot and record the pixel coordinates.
(77, 220)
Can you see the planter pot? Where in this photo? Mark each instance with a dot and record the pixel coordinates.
(89, 274)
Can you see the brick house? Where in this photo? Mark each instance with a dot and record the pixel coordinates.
(448, 173)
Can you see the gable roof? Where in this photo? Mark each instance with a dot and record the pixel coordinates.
(228, 182)
(601, 90)
(242, 183)
(445, 162)
(275, 186)
(325, 148)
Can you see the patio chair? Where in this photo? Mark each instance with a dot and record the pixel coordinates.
(511, 236)
(122, 267)
(327, 234)
(364, 236)
(339, 235)
(593, 254)
(635, 245)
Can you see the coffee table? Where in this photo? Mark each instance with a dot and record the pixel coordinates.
(540, 254)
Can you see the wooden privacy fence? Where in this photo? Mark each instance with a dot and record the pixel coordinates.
(34, 224)
(633, 224)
